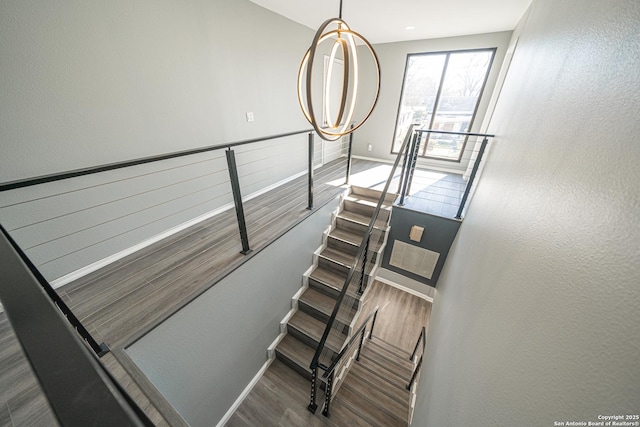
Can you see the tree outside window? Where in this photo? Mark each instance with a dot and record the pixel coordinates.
(441, 91)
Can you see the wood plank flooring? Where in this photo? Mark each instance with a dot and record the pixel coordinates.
(433, 192)
(280, 397)
(123, 300)
(127, 298)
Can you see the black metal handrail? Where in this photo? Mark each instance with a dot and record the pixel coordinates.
(354, 336)
(409, 165)
(451, 132)
(101, 349)
(80, 390)
(329, 374)
(28, 182)
(360, 254)
(421, 338)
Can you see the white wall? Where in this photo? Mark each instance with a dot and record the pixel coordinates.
(379, 129)
(88, 83)
(536, 315)
(202, 357)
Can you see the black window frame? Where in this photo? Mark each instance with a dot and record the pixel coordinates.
(422, 148)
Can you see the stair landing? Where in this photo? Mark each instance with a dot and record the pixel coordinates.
(281, 396)
(374, 390)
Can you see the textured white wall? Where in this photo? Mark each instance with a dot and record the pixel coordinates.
(536, 317)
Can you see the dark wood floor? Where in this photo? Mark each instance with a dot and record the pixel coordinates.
(124, 300)
(433, 192)
(280, 397)
(436, 193)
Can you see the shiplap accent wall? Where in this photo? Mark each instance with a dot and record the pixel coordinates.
(66, 225)
(86, 84)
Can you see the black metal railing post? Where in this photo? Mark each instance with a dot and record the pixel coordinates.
(373, 323)
(349, 157)
(421, 337)
(415, 373)
(364, 331)
(362, 285)
(327, 395)
(314, 390)
(311, 156)
(405, 162)
(410, 165)
(472, 177)
(413, 161)
(329, 372)
(237, 199)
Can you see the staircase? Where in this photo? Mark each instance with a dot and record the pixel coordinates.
(375, 389)
(313, 304)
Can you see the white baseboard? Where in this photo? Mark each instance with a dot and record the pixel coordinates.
(405, 289)
(75, 275)
(373, 159)
(244, 394)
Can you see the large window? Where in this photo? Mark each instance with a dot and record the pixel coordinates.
(442, 91)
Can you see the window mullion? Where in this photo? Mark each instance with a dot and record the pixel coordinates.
(435, 104)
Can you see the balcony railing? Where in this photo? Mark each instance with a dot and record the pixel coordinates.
(63, 355)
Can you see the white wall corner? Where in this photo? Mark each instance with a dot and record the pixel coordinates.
(408, 285)
(244, 393)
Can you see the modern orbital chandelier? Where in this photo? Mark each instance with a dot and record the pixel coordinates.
(344, 43)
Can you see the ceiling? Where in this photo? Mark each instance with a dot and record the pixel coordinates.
(387, 21)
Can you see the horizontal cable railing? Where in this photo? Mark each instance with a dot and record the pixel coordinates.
(127, 163)
(334, 336)
(73, 220)
(431, 191)
(69, 214)
(76, 218)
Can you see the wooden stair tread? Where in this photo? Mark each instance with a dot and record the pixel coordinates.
(314, 328)
(389, 348)
(347, 236)
(388, 374)
(342, 261)
(367, 201)
(362, 219)
(366, 409)
(388, 404)
(403, 363)
(324, 303)
(372, 194)
(332, 279)
(338, 256)
(346, 413)
(402, 368)
(395, 391)
(352, 238)
(296, 351)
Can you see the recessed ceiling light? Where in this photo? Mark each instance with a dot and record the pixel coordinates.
(410, 28)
